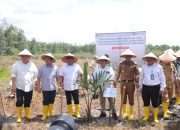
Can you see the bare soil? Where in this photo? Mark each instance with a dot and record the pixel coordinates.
(96, 124)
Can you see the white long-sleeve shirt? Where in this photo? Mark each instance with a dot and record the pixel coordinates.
(152, 75)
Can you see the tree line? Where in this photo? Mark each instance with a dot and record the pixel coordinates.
(13, 40)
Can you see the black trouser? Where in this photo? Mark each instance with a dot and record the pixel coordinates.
(49, 97)
(72, 94)
(151, 94)
(23, 98)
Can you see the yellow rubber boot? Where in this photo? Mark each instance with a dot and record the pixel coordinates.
(50, 110)
(165, 110)
(19, 114)
(77, 110)
(27, 111)
(156, 111)
(131, 113)
(70, 109)
(146, 113)
(45, 112)
(124, 111)
(178, 101)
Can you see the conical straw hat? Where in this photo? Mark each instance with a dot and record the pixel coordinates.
(150, 55)
(103, 58)
(48, 55)
(128, 52)
(170, 51)
(167, 56)
(25, 52)
(69, 55)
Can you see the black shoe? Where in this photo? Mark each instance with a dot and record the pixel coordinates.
(102, 115)
(114, 116)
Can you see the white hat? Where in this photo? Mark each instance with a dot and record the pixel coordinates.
(103, 58)
(178, 53)
(25, 52)
(167, 56)
(69, 55)
(170, 51)
(128, 52)
(150, 55)
(48, 55)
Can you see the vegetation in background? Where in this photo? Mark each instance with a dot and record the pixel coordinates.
(13, 40)
(4, 73)
(159, 49)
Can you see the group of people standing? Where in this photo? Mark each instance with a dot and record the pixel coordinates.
(155, 81)
(25, 76)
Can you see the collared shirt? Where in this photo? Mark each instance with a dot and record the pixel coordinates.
(48, 75)
(128, 70)
(25, 75)
(70, 74)
(108, 75)
(152, 75)
(169, 72)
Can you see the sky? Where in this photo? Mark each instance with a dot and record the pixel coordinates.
(77, 21)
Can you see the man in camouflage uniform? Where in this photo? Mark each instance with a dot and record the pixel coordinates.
(166, 60)
(127, 74)
(177, 65)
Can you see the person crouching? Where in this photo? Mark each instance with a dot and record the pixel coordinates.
(70, 74)
(151, 83)
(46, 82)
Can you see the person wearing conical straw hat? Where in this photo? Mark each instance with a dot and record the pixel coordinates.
(128, 75)
(166, 60)
(24, 75)
(109, 74)
(152, 82)
(70, 74)
(177, 65)
(170, 51)
(47, 78)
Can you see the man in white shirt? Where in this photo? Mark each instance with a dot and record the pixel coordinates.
(108, 82)
(70, 74)
(24, 73)
(151, 83)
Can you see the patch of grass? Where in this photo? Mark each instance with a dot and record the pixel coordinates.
(4, 73)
